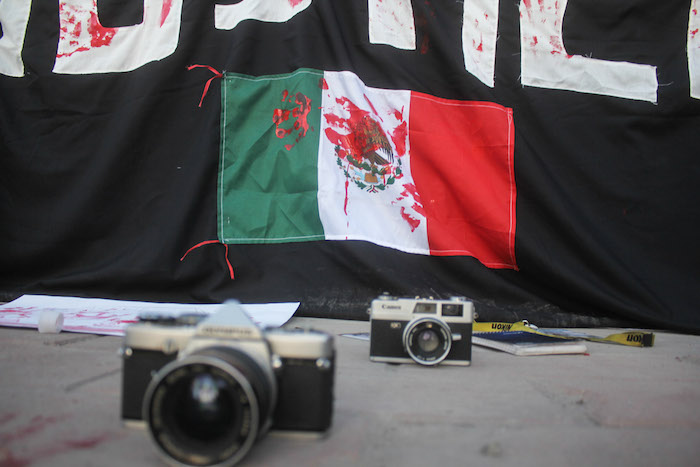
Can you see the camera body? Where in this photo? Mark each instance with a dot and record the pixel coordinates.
(422, 330)
(208, 386)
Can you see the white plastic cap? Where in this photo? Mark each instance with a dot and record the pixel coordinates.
(50, 321)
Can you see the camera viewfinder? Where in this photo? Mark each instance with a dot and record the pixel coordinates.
(451, 310)
(427, 308)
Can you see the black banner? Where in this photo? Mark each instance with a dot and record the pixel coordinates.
(108, 165)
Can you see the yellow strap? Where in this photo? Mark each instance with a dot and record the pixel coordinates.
(630, 338)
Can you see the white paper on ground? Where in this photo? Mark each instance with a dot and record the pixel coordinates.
(110, 317)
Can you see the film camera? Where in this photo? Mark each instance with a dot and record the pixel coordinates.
(208, 386)
(425, 331)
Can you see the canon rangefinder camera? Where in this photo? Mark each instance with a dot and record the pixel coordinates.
(421, 330)
(207, 386)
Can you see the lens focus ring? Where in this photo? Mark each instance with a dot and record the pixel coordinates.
(427, 340)
(205, 410)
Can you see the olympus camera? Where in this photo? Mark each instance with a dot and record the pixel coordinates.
(425, 331)
(207, 386)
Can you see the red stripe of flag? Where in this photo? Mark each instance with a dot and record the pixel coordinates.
(462, 165)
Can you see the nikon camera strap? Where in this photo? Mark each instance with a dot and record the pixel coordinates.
(630, 338)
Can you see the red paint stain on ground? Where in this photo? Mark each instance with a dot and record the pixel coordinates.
(8, 417)
(35, 425)
(7, 459)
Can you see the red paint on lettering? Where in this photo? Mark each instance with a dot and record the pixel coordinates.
(533, 42)
(165, 11)
(99, 35)
(77, 29)
(345, 204)
(557, 46)
(295, 3)
(692, 33)
(541, 4)
(480, 47)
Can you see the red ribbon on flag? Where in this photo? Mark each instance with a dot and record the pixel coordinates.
(217, 74)
(208, 242)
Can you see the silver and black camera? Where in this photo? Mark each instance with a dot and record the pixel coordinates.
(421, 330)
(208, 386)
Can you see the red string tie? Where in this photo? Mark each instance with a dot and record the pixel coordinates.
(208, 242)
(217, 74)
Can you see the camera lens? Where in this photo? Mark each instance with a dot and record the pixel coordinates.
(427, 340)
(208, 408)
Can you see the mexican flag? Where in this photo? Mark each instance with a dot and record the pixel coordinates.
(314, 155)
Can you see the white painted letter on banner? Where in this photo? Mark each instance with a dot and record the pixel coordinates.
(479, 33)
(694, 49)
(85, 46)
(271, 11)
(391, 22)
(14, 16)
(546, 64)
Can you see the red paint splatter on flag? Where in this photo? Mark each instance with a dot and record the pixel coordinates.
(300, 113)
(363, 145)
(371, 106)
(412, 221)
(399, 137)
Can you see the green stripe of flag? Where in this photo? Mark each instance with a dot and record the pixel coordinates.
(268, 181)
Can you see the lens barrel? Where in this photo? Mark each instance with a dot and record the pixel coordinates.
(208, 408)
(427, 340)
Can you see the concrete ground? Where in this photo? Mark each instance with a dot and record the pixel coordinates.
(617, 406)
